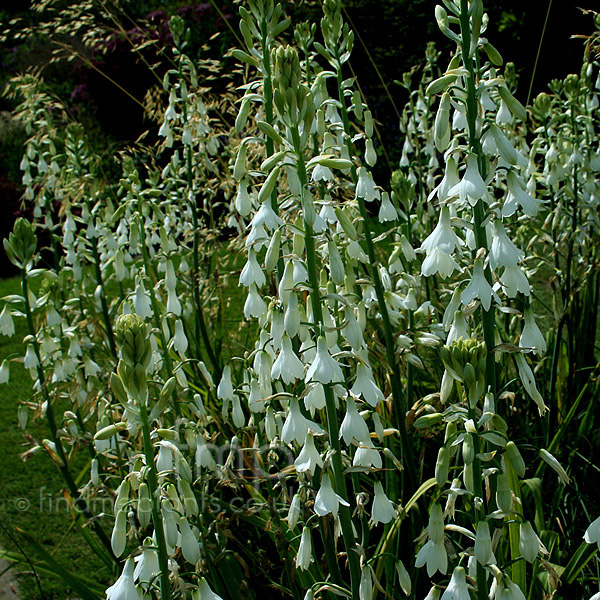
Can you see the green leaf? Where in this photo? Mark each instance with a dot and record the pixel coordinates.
(84, 589)
(582, 556)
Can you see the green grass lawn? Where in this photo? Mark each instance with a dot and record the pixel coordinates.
(31, 494)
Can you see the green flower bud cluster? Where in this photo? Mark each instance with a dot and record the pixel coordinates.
(177, 28)
(263, 17)
(332, 22)
(131, 335)
(21, 243)
(462, 356)
(287, 72)
(572, 85)
(402, 188)
(465, 362)
(339, 39)
(304, 34)
(293, 100)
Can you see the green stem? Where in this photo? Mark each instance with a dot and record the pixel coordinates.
(487, 316)
(163, 557)
(155, 310)
(268, 95)
(332, 418)
(395, 378)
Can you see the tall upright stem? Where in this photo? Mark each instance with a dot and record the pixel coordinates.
(332, 419)
(487, 316)
(155, 310)
(163, 557)
(395, 378)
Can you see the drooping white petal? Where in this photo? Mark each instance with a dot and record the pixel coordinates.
(383, 510)
(327, 501)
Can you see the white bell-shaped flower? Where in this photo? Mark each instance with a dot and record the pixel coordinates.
(173, 304)
(459, 329)
(365, 187)
(508, 590)
(4, 371)
(291, 318)
(365, 385)
(141, 302)
(225, 387)
(265, 216)
(471, 187)
(243, 201)
(514, 280)
(531, 336)
(439, 262)
(518, 196)
(387, 211)
(353, 426)
(304, 556)
(315, 398)
(287, 365)
(529, 543)
(119, 533)
(296, 425)
(365, 587)
(483, 544)
(434, 556)
(164, 458)
(204, 592)
(503, 252)
(309, 458)
(367, 455)
(435, 527)
(256, 398)
(592, 533)
(321, 173)
(352, 331)
(449, 181)
(528, 381)
(204, 457)
(147, 565)
(442, 237)
(124, 588)
(327, 501)
(294, 511)
(324, 368)
(254, 306)
(7, 326)
(189, 543)
(180, 341)
(252, 273)
(457, 588)
(383, 510)
(31, 361)
(237, 413)
(257, 238)
(478, 288)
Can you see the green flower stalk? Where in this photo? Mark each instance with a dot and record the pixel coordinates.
(133, 341)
